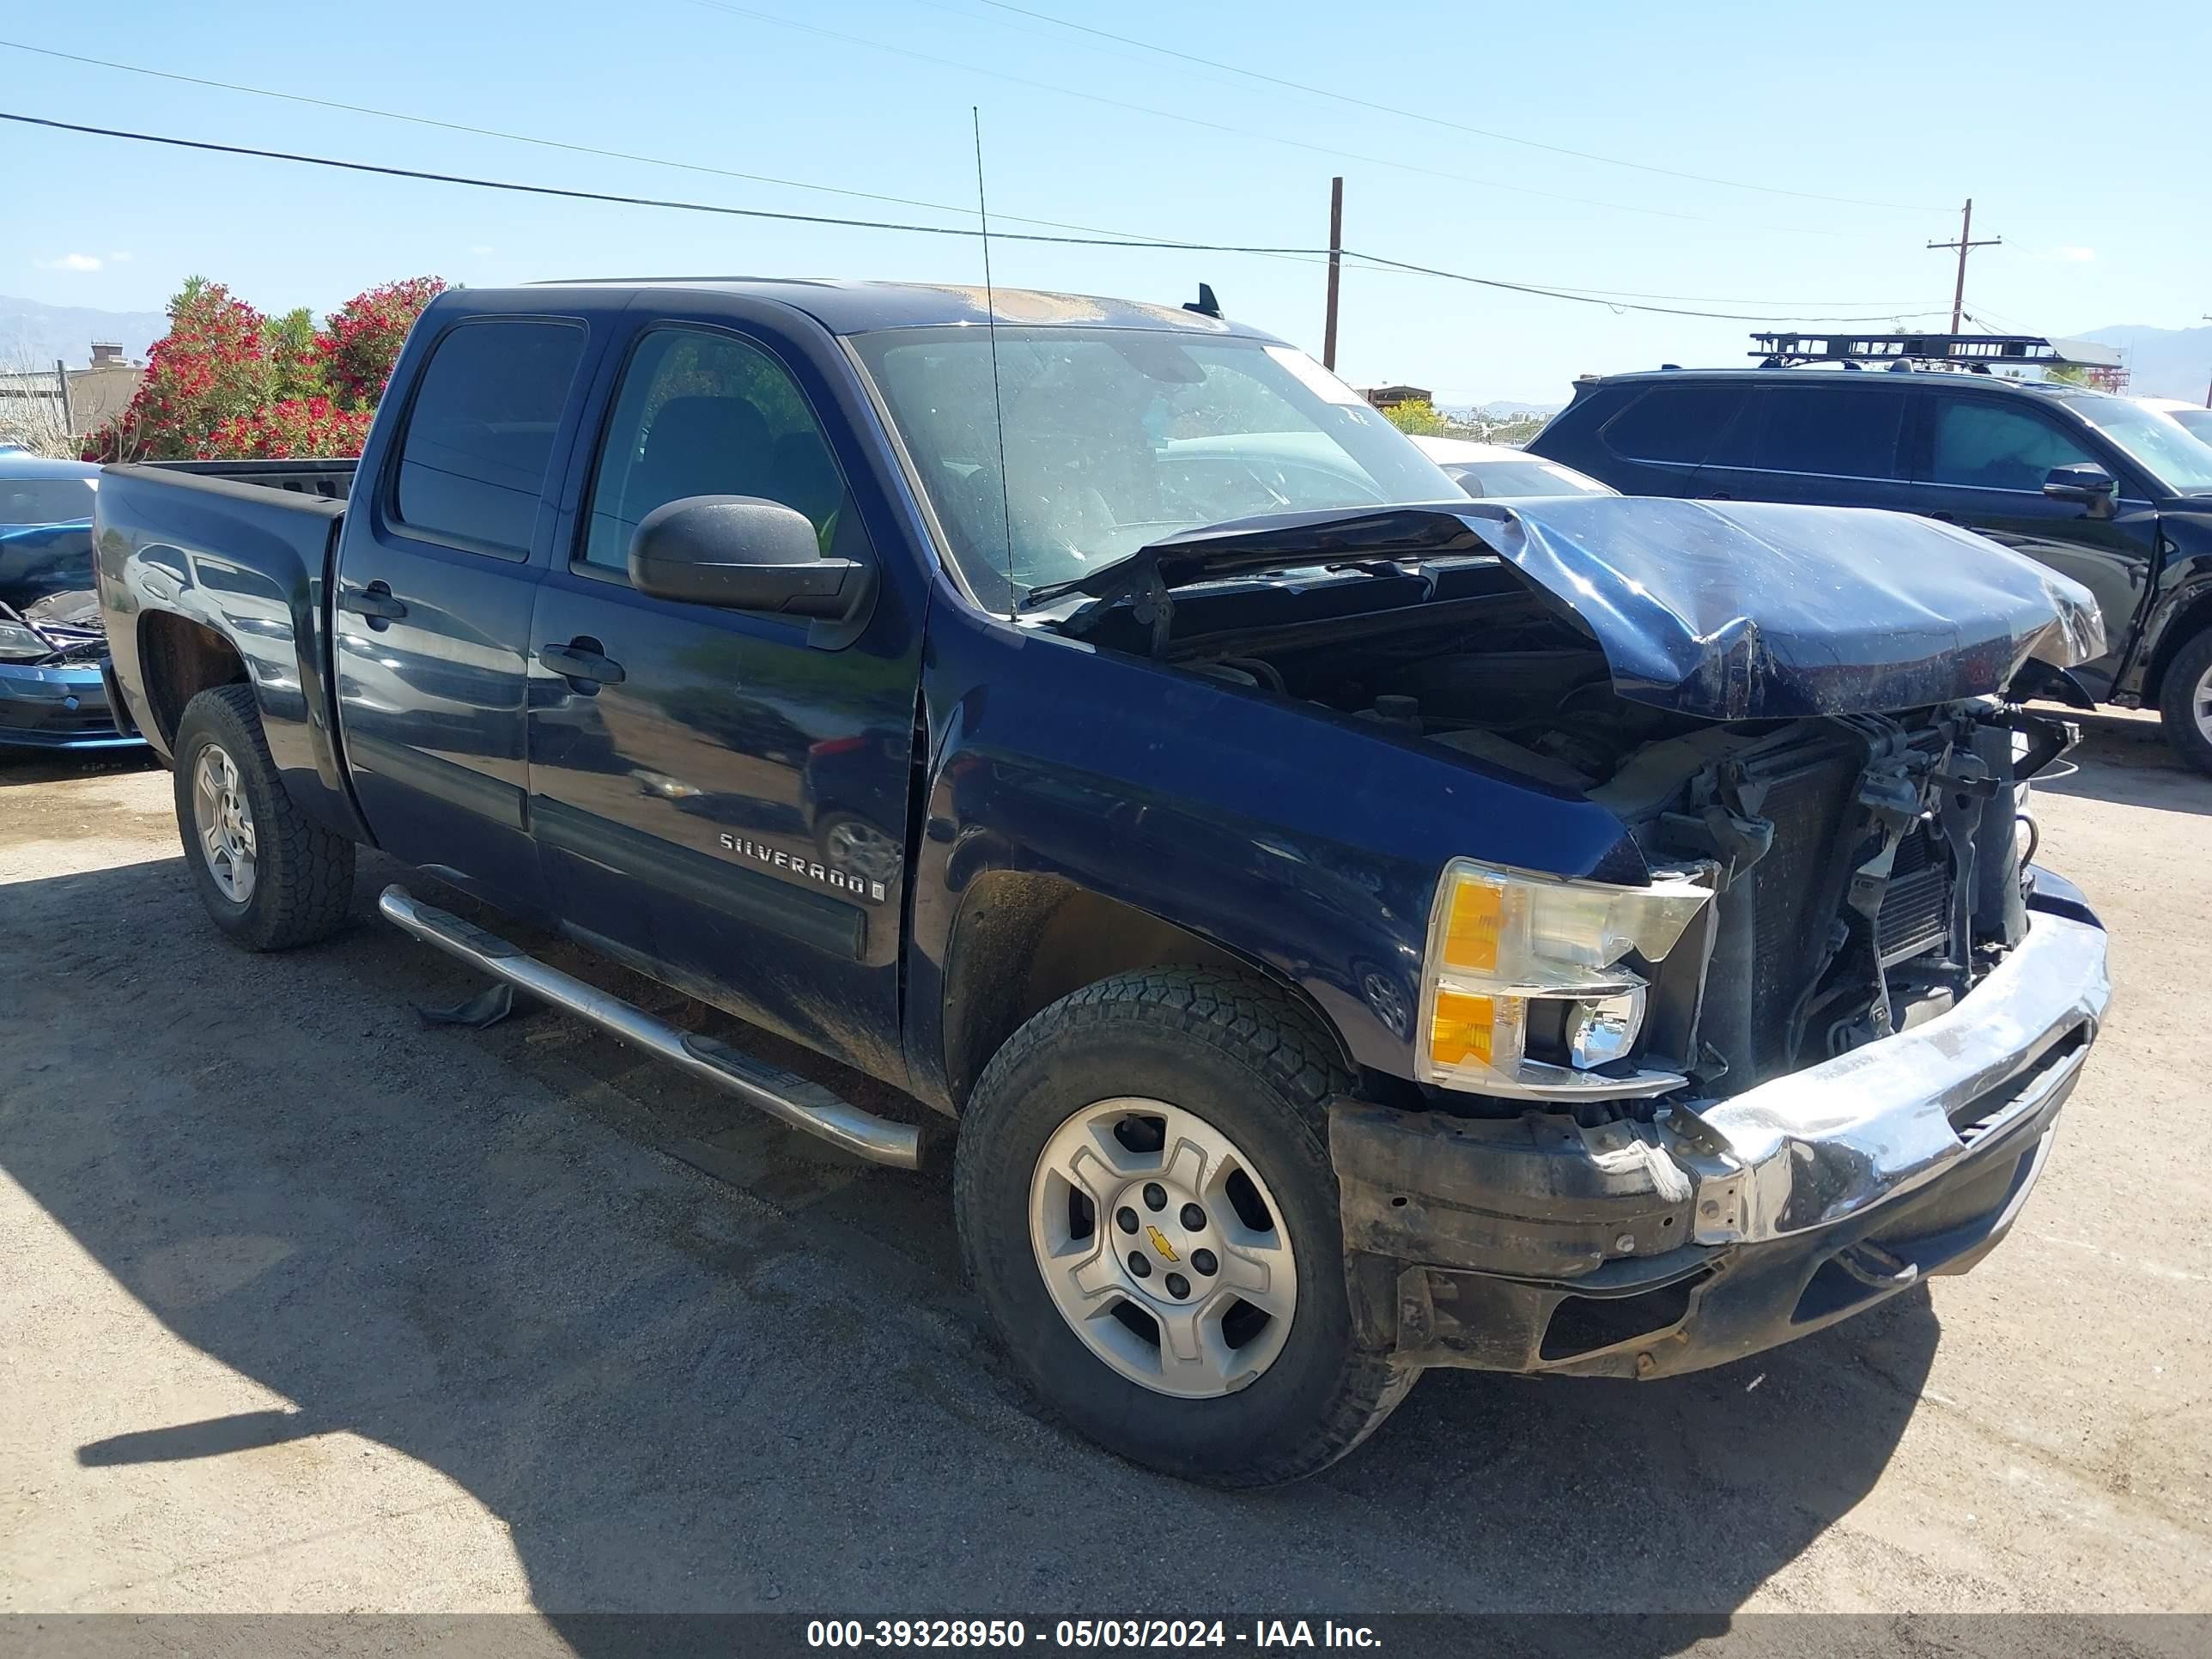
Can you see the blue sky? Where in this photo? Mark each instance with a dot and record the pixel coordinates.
(2079, 135)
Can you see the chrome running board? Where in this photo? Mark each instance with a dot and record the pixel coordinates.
(783, 1094)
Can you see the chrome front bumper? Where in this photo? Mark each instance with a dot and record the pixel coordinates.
(1833, 1141)
(1646, 1249)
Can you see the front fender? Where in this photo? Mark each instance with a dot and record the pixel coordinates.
(1291, 837)
(2182, 610)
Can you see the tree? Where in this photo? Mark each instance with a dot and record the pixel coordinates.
(228, 383)
(360, 341)
(209, 368)
(1419, 417)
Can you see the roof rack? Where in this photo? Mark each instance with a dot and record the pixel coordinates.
(1976, 353)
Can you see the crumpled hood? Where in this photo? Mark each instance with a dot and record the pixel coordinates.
(1757, 610)
(1726, 609)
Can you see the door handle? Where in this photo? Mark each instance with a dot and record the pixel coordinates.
(374, 601)
(581, 659)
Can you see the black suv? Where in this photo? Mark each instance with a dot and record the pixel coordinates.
(2092, 485)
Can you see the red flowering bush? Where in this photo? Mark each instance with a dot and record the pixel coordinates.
(360, 340)
(228, 383)
(293, 429)
(208, 368)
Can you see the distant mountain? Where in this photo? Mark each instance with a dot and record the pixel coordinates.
(32, 335)
(2162, 362)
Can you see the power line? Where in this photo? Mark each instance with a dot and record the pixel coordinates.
(1059, 91)
(1593, 299)
(1151, 245)
(768, 179)
(1438, 120)
(530, 138)
(674, 204)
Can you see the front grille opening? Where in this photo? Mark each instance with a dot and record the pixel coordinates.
(1974, 1119)
(1583, 1324)
(1832, 1291)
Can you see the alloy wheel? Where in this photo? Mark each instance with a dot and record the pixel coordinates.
(1162, 1246)
(223, 819)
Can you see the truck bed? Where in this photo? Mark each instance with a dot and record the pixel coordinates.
(200, 555)
(328, 478)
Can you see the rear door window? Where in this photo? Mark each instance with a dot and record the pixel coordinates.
(1677, 424)
(1842, 431)
(473, 458)
(1986, 445)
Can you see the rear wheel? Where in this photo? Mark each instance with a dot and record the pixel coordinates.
(2185, 704)
(1146, 1204)
(268, 878)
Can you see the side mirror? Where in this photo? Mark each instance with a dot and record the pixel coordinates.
(742, 553)
(2090, 485)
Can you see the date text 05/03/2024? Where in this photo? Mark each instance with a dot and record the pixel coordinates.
(1123, 1634)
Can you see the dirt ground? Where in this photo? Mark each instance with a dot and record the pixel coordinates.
(305, 1306)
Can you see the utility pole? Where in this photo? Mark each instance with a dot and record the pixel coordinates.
(2208, 390)
(1965, 245)
(1336, 266)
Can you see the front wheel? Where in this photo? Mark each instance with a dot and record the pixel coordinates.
(2185, 704)
(268, 878)
(1146, 1205)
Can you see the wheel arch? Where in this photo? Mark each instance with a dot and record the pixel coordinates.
(2191, 618)
(179, 658)
(1021, 941)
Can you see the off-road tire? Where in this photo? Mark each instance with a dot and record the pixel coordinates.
(303, 878)
(1233, 1048)
(2176, 694)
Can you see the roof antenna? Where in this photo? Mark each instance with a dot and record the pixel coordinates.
(991, 325)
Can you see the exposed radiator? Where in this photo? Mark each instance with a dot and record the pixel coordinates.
(1811, 809)
(1915, 907)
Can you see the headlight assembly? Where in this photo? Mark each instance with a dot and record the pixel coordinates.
(1523, 989)
(21, 644)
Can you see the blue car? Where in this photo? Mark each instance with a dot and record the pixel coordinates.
(51, 693)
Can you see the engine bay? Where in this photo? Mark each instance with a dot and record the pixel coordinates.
(1867, 867)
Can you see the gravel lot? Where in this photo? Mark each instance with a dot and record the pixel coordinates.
(305, 1307)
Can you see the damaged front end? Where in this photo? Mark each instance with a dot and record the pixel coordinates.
(1814, 1052)
(52, 693)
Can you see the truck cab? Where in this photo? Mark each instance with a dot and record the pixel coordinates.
(1331, 926)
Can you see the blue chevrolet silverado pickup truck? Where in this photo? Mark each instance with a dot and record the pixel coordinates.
(1334, 928)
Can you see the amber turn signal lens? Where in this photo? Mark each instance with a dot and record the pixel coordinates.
(1472, 924)
(1462, 1029)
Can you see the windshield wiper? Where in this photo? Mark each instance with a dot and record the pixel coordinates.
(1038, 598)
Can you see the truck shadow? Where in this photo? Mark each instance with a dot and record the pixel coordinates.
(677, 1394)
(25, 766)
(2124, 758)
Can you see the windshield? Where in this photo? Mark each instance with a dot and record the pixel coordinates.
(2175, 460)
(2196, 423)
(1528, 477)
(1116, 438)
(45, 501)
